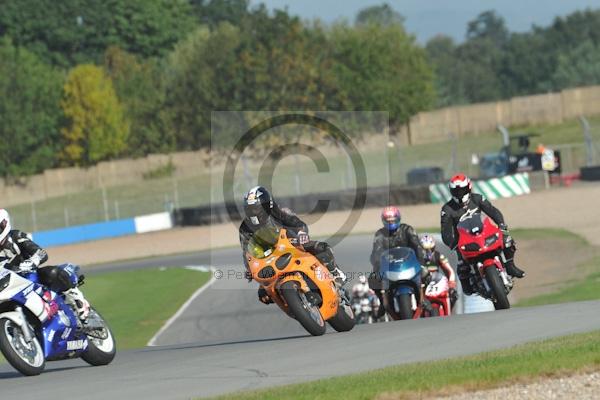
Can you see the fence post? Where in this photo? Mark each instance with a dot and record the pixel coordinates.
(589, 144)
(66, 214)
(105, 202)
(33, 215)
(117, 213)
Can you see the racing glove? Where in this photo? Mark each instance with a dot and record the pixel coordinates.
(303, 237)
(26, 267)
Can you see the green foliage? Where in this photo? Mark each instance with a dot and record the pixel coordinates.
(96, 129)
(578, 67)
(29, 111)
(493, 64)
(382, 14)
(140, 87)
(69, 32)
(380, 68)
(213, 12)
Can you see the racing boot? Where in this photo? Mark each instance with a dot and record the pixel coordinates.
(80, 305)
(339, 276)
(513, 270)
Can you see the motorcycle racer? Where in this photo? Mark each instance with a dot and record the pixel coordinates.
(393, 234)
(362, 290)
(22, 255)
(462, 204)
(435, 258)
(261, 211)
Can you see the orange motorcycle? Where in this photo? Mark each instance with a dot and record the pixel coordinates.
(298, 283)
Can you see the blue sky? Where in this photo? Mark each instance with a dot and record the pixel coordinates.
(426, 18)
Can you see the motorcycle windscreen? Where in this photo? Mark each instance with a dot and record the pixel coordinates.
(399, 264)
(263, 240)
(472, 224)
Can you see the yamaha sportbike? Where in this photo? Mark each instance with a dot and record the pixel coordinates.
(36, 325)
(481, 244)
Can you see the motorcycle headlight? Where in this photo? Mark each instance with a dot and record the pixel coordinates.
(490, 240)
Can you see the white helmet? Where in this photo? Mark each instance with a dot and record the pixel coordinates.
(4, 226)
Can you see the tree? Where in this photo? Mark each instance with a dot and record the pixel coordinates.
(213, 12)
(441, 54)
(382, 14)
(203, 76)
(69, 32)
(96, 128)
(381, 68)
(140, 87)
(29, 111)
(578, 67)
(488, 25)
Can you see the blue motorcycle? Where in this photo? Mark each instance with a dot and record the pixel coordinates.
(401, 278)
(36, 325)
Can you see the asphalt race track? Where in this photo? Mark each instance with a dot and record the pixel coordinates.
(226, 341)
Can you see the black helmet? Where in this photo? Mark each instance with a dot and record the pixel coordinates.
(258, 205)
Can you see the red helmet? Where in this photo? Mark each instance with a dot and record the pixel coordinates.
(390, 216)
(460, 188)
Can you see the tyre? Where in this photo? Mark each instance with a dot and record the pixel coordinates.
(27, 358)
(435, 311)
(344, 321)
(405, 306)
(499, 295)
(306, 313)
(101, 350)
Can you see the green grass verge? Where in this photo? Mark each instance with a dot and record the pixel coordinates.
(587, 289)
(549, 357)
(548, 233)
(137, 303)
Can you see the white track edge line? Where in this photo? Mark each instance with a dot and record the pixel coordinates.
(185, 305)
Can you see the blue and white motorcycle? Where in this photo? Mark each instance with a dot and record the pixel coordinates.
(401, 278)
(36, 325)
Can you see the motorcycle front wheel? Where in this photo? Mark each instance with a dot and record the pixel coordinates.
(500, 297)
(101, 342)
(303, 310)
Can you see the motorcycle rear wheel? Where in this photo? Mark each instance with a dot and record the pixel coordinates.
(306, 313)
(500, 297)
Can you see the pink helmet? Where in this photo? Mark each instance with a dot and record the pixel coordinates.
(390, 217)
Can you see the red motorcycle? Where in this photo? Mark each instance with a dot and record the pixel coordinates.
(437, 293)
(481, 243)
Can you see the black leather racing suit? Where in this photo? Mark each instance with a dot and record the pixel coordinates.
(19, 248)
(404, 236)
(290, 221)
(450, 217)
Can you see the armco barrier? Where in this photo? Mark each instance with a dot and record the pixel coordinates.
(310, 203)
(506, 186)
(103, 230)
